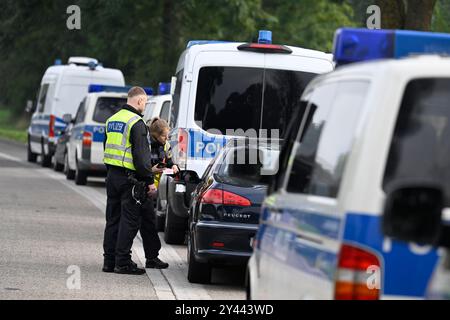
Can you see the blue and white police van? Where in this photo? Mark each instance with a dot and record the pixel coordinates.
(62, 89)
(370, 129)
(223, 90)
(85, 150)
(159, 105)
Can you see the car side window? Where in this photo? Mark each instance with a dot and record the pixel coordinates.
(165, 109)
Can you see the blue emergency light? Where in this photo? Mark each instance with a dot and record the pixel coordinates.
(354, 45)
(58, 62)
(163, 88)
(107, 88)
(265, 37)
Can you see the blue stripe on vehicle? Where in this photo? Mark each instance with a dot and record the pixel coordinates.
(202, 146)
(405, 272)
(98, 132)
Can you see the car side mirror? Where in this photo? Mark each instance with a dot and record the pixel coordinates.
(30, 107)
(67, 118)
(190, 177)
(414, 214)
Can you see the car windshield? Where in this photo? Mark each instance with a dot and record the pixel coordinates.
(233, 98)
(106, 107)
(420, 149)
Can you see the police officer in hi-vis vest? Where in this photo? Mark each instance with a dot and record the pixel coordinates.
(128, 161)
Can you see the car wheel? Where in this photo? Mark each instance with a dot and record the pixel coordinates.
(31, 157)
(80, 176)
(70, 174)
(197, 272)
(58, 167)
(174, 228)
(46, 161)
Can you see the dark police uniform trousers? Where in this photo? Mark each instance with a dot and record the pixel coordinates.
(121, 205)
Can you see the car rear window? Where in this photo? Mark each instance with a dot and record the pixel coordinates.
(106, 107)
(420, 148)
(248, 98)
(244, 166)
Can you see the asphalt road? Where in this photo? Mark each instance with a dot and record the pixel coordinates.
(51, 234)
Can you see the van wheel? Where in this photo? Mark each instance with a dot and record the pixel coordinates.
(174, 228)
(197, 272)
(31, 157)
(46, 161)
(80, 177)
(70, 174)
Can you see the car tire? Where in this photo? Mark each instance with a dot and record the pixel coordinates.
(198, 272)
(46, 160)
(70, 174)
(31, 157)
(58, 167)
(174, 228)
(80, 176)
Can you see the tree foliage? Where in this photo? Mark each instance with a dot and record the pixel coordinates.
(144, 38)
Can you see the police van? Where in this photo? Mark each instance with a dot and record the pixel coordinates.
(223, 90)
(62, 89)
(371, 132)
(159, 105)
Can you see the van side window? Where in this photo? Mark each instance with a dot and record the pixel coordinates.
(164, 114)
(81, 112)
(337, 139)
(176, 100)
(420, 147)
(305, 148)
(42, 97)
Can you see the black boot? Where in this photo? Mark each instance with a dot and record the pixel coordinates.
(131, 268)
(156, 264)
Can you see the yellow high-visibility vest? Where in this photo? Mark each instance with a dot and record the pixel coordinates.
(118, 147)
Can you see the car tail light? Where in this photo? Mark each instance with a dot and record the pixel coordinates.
(182, 148)
(87, 139)
(264, 48)
(218, 244)
(51, 127)
(353, 273)
(216, 196)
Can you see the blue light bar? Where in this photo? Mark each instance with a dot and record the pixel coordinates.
(58, 62)
(354, 45)
(107, 88)
(265, 37)
(200, 42)
(163, 88)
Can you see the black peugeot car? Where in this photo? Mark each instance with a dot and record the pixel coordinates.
(225, 209)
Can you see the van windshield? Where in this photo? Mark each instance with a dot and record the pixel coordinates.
(106, 107)
(420, 149)
(233, 98)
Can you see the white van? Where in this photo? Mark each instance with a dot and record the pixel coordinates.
(374, 139)
(159, 105)
(62, 89)
(84, 156)
(222, 88)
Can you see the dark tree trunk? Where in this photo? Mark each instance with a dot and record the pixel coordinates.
(419, 14)
(408, 14)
